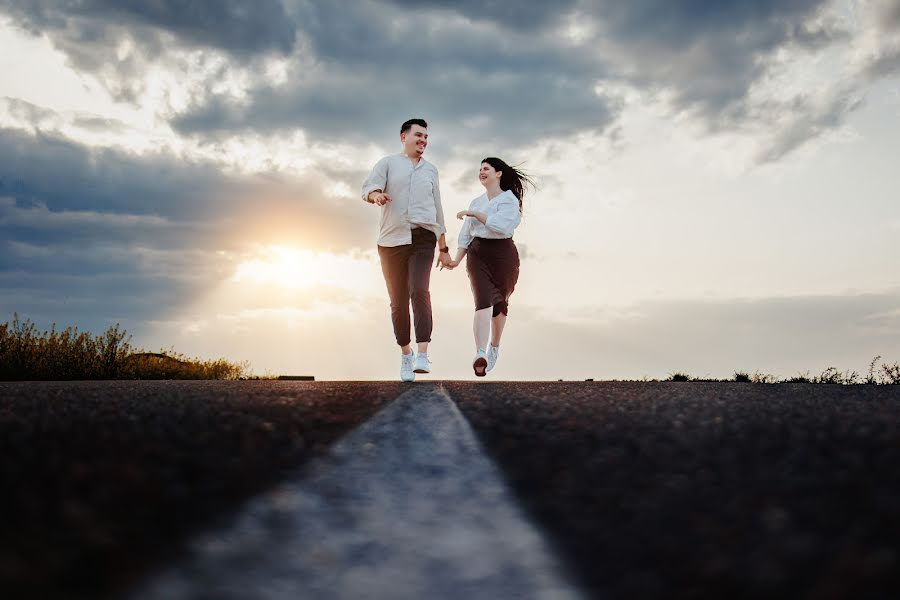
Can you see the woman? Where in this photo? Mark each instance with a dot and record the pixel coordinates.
(493, 261)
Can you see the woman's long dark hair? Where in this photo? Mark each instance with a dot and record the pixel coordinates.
(511, 178)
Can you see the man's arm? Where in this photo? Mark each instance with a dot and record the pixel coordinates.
(444, 252)
(374, 185)
(438, 207)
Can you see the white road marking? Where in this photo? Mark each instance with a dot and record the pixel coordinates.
(405, 506)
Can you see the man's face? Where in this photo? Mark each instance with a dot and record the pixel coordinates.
(415, 140)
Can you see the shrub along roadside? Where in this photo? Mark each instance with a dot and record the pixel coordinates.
(29, 355)
(885, 374)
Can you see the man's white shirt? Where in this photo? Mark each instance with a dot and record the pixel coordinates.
(503, 216)
(416, 198)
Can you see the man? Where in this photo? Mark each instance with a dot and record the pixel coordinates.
(406, 187)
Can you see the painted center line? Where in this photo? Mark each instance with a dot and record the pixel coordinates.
(405, 506)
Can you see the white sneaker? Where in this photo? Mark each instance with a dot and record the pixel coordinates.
(493, 353)
(423, 365)
(406, 367)
(479, 364)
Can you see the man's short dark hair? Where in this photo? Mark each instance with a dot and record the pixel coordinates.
(408, 124)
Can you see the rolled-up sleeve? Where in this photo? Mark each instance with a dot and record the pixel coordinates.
(465, 234)
(507, 217)
(377, 179)
(438, 207)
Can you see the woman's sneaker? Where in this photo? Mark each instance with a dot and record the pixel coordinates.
(406, 367)
(480, 363)
(493, 354)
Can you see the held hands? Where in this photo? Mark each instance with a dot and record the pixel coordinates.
(444, 261)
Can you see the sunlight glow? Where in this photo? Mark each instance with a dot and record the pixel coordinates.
(295, 268)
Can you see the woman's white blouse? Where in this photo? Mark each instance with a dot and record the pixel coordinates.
(503, 217)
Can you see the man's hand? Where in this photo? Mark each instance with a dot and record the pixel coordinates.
(443, 260)
(462, 214)
(380, 198)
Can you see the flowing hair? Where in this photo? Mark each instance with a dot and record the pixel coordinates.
(511, 178)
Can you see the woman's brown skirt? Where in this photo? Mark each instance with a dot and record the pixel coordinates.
(493, 268)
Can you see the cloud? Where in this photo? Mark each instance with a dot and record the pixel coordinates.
(499, 75)
(368, 68)
(97, 231)
(803, 120)
(231, 25)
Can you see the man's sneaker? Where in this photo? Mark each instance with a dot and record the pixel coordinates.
(493, 354)
(406, 367)
(423, 365)
(480, 363)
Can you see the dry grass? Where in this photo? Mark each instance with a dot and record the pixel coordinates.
(883, 374)
(27, 354)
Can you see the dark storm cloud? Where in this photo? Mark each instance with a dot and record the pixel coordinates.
(359, 68)
(239, 27)
(708, 54)
(374, 66)
(486, 67)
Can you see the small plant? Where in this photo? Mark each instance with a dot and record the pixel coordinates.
(741, 377)
(799, 378)
(679, 377)
(891, 374)
(763, 378)
(832, 375)
(871, 378)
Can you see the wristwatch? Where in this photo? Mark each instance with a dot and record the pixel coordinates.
(445, 249)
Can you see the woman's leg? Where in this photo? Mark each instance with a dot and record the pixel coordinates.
(497, 325)
(482, 328)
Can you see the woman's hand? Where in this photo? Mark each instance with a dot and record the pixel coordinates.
(462, 214)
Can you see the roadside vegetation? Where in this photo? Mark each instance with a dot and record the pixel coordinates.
(28, 354)
(880, 373)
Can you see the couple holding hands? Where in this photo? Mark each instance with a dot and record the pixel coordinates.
(406, 188)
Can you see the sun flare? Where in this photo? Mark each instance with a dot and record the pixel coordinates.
(297, 268)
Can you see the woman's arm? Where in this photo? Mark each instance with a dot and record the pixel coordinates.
(460, 253)
(474, 214)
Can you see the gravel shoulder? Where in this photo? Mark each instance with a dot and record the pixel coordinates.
(102, 480)
(705, 490)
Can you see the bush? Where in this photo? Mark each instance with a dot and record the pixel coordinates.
(26, 354)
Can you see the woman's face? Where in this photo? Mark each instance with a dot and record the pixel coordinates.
(488, 176)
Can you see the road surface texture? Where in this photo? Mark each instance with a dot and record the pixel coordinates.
(645, 490)
(100, 480)
(706, 490)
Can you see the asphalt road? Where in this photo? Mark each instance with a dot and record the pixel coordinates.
(652, 490)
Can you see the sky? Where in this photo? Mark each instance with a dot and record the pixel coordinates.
(716, 180)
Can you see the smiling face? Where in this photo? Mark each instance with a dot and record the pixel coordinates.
(488, 176)
(415, 140)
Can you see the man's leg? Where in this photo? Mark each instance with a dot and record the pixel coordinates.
(394, 266)
(420, 265)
